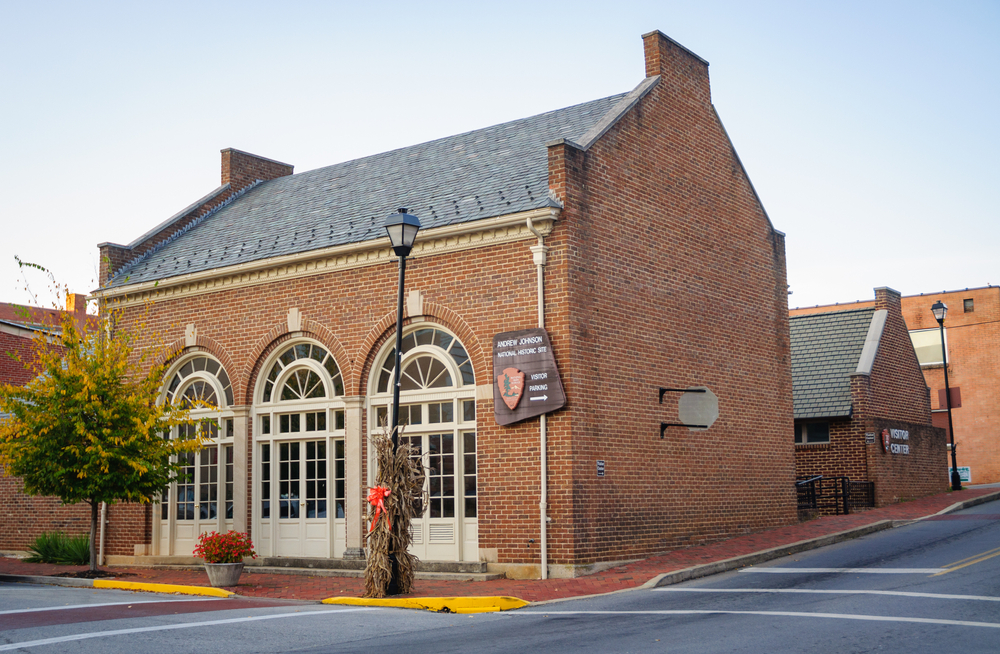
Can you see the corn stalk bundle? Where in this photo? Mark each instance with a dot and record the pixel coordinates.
(404, 477)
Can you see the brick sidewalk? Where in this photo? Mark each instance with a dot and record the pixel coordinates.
(620, 578)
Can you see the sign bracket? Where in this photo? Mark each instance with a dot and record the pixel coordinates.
(664, 391)
(664, 425)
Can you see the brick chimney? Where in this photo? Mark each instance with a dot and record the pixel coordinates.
(76, 303)
(241, 169)
(681, 71)
(888, 299)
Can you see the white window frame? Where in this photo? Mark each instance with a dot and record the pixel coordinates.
(937, 336)
(273, 409)
(224, 416)
(467, 531)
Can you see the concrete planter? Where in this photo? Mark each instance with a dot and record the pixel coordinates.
(223, 574)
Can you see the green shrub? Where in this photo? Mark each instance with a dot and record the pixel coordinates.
(57, 547)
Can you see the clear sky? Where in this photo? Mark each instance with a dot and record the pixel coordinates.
(869, 129)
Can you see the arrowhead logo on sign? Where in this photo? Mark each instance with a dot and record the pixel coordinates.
(511, 386)
(885, 439)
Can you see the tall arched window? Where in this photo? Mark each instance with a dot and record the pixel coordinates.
(201, 499)
(438, 417)
(299, 493)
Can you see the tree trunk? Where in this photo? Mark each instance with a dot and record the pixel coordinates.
(94, 516)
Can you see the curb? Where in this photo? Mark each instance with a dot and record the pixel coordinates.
(708, 569)
(437, 604)
(206, 591)
(668, 578)
(50, 581)
(958, 506)
(118, 585)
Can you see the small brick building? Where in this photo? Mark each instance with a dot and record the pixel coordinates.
(862, 410)
(972, 336)
(627, 222)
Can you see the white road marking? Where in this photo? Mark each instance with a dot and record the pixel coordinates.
(90, 606)
(849, 571)
(168, 627)
(981, 598)
(790, 614)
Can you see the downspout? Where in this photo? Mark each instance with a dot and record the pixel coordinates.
(538, 253)
(104, 519)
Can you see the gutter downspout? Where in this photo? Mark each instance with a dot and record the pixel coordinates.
(104, 520)
(539, 253)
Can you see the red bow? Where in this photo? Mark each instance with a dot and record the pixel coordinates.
(376, 497)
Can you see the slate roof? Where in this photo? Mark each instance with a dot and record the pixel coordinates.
(826, 348)
(480, 174)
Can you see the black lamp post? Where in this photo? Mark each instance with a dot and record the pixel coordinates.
(402, 229)
(940, 310)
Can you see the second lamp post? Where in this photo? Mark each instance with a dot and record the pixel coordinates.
(940, 310)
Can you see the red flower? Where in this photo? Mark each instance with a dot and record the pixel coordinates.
(230, 547)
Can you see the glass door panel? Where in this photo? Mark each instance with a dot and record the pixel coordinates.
(303, 521)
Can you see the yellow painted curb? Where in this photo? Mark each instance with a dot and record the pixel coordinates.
(438, 604)
(162, 588)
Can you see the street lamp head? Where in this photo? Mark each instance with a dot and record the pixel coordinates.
(402, 229)
(940, 310)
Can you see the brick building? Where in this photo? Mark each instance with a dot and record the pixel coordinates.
(657, 266)
(972, 336)
(19, 326)
(862, 410)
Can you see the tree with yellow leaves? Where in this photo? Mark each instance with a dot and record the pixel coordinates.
(88, 427)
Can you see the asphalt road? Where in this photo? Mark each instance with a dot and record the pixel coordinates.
(929, 587)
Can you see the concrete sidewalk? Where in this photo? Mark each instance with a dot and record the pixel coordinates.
(671, 567)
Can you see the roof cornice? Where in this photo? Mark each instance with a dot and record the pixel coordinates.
(432, 242)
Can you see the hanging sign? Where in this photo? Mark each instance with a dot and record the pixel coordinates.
(525, 378)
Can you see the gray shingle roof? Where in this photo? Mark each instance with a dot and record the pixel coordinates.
(481, 174)
(825, 351)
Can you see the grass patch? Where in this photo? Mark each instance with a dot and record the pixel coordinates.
(57, 547)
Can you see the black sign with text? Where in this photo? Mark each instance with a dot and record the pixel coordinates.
(525, 378)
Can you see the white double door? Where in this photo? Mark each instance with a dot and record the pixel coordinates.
(301, 498)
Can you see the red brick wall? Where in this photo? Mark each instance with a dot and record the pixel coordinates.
(353, 312)
(900, 477)
(16, 358)
(675, 278)
(26, 517)
(898, 390)
(843, 456)
(973, 366)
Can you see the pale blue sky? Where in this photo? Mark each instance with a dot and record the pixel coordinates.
(868, 128)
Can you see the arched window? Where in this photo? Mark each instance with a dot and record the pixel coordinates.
(304, 382)
(200, 378)
(437, 413)
(427, 371)
(299, 454)
(202, 497)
